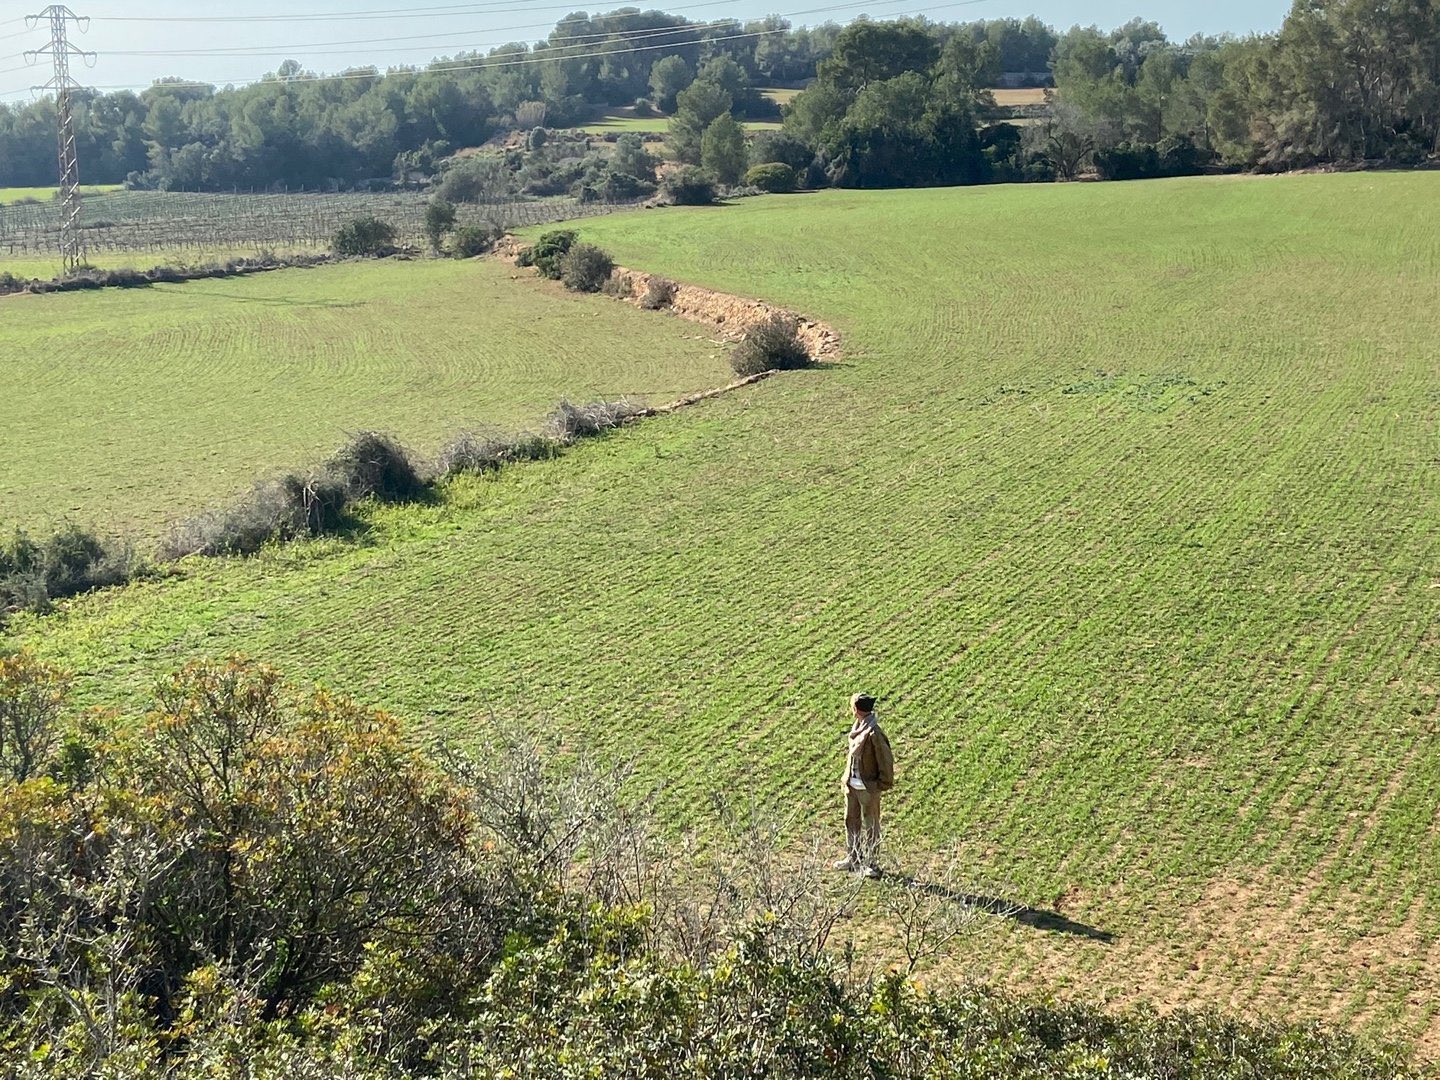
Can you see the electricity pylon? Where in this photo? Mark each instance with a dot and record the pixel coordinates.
(72, 246)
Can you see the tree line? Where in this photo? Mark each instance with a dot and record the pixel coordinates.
(887, 103)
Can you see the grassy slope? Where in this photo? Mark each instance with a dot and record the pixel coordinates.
(130, 409)
(1124, 499)
(656, 125)
(49, 266)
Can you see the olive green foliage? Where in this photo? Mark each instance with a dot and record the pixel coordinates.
(699, 106)
(773, 344)
(547, 253)
(304, 503)
(374, 466)
(630, 158)
(585, 268)
(567, 424)
(722, 150)
(689, 185)
(775, 177)
(366, 236)
(439, 220)
(471, 241)
(781, 146)
(1343, 81)
(272, 882)
(891, 109)
(71, 561)
(475, 179)
(668, 77)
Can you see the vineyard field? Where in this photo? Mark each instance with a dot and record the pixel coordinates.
(127, 410)
(1122, 497)
(195, 224)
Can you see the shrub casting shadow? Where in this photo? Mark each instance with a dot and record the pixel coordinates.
(1036, 918)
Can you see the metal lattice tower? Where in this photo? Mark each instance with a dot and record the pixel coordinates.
(72, 246)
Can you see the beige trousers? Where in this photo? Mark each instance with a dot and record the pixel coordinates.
(862, 808)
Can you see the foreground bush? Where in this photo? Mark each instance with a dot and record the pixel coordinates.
(34, 573)
(264, 882)
(365, 237)
(586, 268)
(772, 344)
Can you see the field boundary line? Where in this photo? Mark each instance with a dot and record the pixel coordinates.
(730, 315)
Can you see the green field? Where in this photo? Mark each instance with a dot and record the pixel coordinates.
(9, 196)
(1125, 498)
(620, 123)
(130, 409)
(49, 266)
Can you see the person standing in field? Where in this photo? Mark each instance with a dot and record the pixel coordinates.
(869, 773)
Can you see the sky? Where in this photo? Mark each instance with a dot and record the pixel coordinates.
(347, 33)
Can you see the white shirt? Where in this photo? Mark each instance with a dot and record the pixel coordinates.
(855, 781)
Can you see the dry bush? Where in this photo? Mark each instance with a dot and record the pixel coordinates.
(659, 293)
(585, 268)
(570, 422)
(289, 507)
(479, 452)
(374, 464)
(619, 286)
(772, 344)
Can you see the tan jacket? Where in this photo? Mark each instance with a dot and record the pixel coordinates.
(877, 764)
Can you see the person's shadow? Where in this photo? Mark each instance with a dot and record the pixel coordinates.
(1037, 918)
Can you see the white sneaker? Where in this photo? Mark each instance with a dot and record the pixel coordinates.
(871, 872)
(846, 864)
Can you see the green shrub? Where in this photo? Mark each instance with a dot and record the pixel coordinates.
(471, 241)
(72, 561)
(439, 220)
(689, 185)
(549, 250)
(781, 146)
(775, 177)
(366, 236)
(772, 344)
(586, 268)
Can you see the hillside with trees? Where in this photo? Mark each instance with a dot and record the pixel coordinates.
(898, 103)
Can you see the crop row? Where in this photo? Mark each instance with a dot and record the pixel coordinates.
(143, 221)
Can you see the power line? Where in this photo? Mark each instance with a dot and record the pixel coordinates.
(61, 52)
(443, 12)
(544, 56)
(619, 36)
